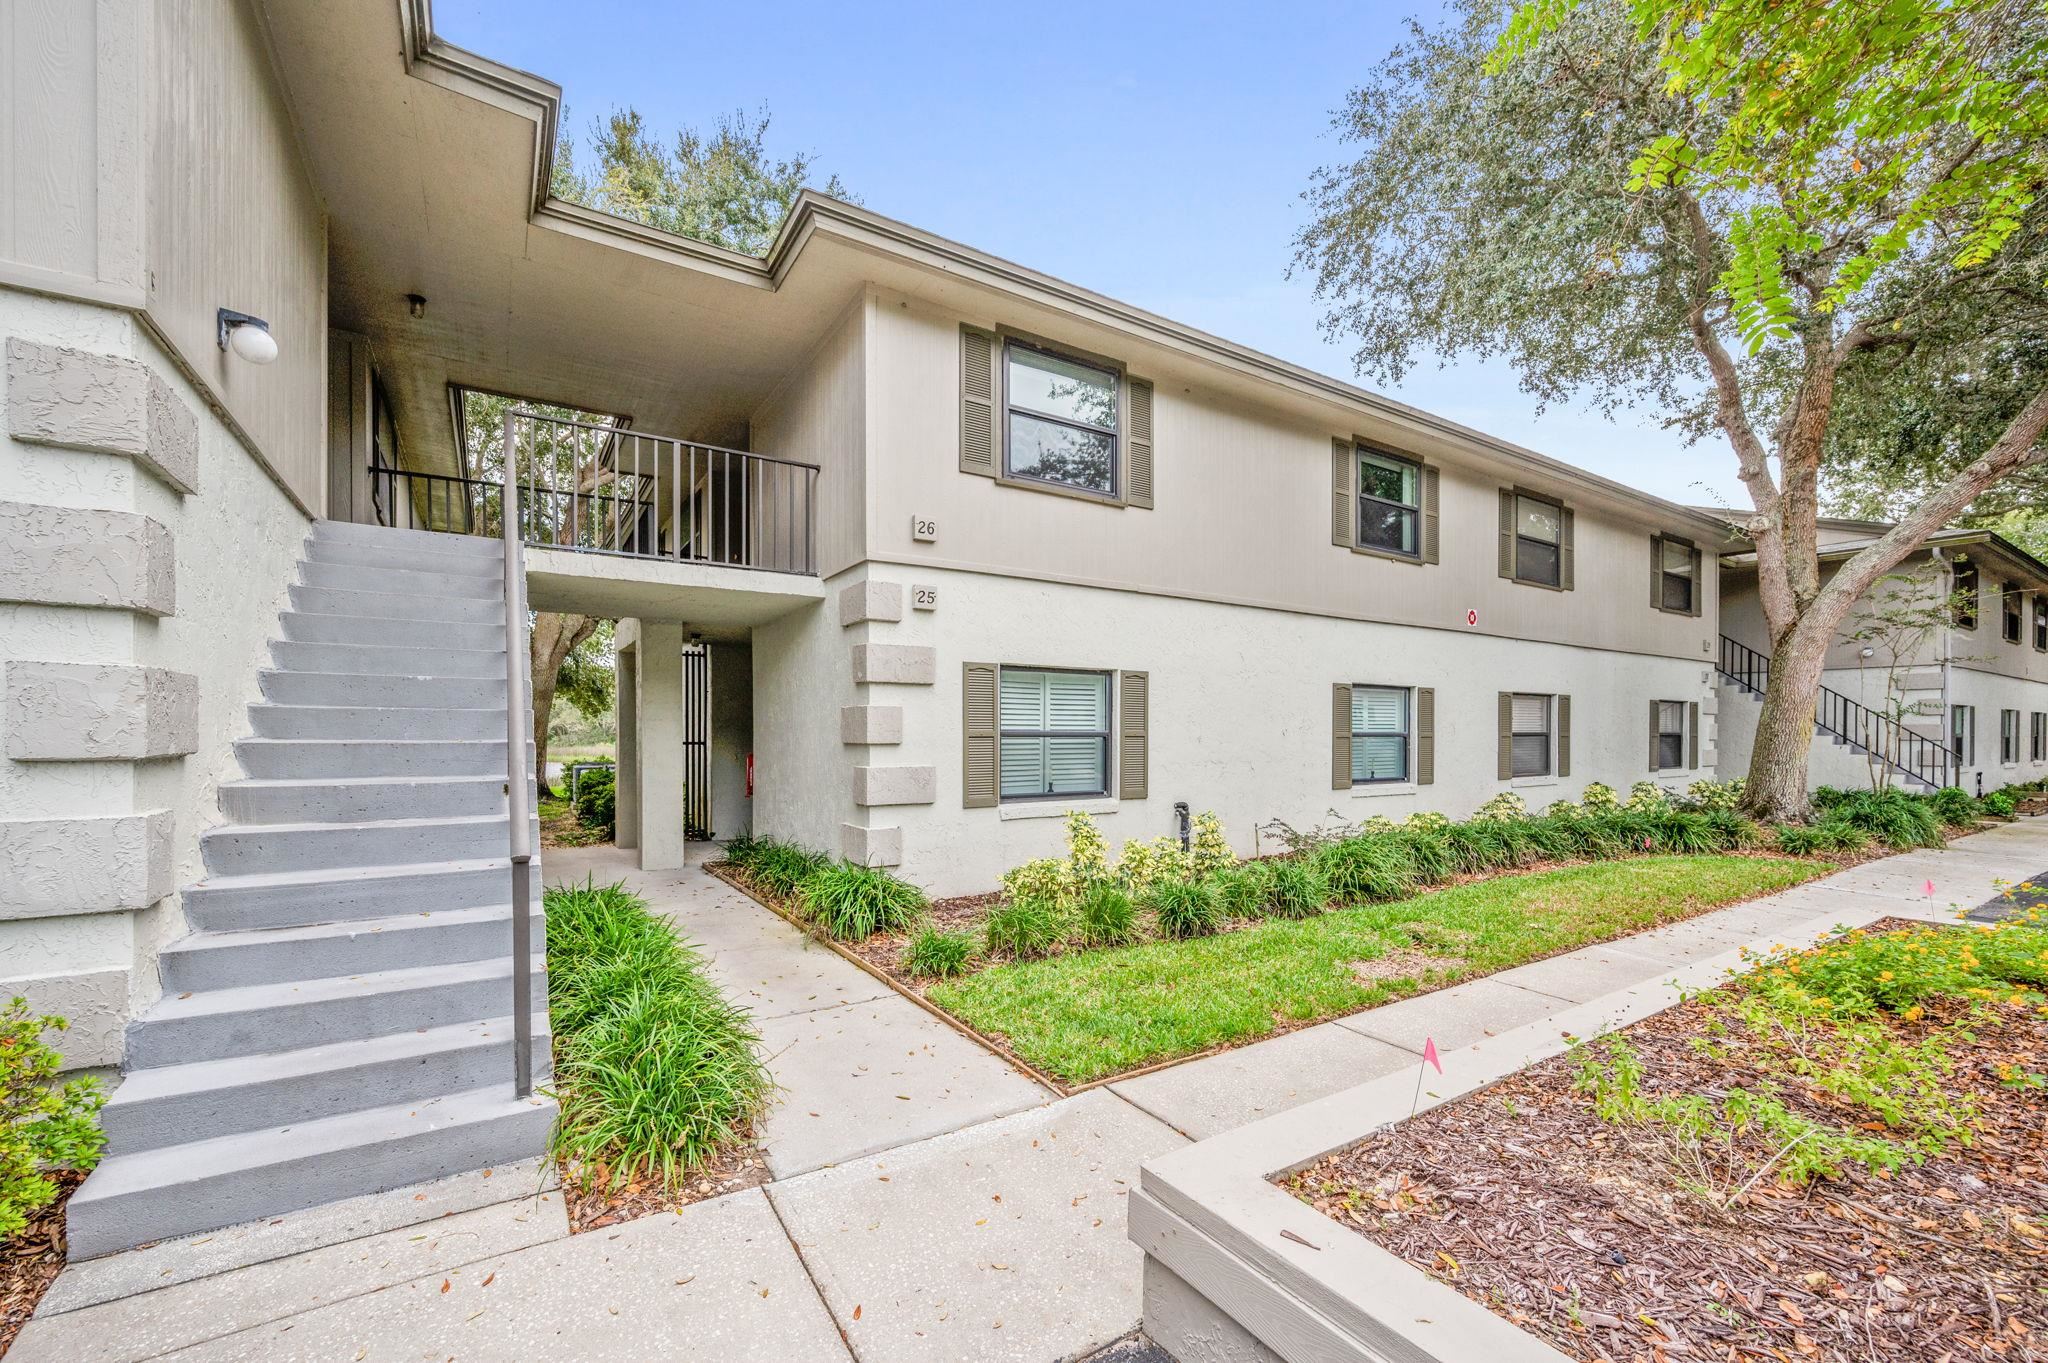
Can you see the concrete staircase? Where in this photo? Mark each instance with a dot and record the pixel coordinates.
(338, 1020)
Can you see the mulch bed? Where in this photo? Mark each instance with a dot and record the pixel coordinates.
(1585, 1233)
(593, 1205)
(31, 1260)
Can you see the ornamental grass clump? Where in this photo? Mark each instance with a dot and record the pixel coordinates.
(654, 1070)
(1184, 908)
(853, 902)
(1296, 888)
(777, 867)
(1107, 917)
(1242, 888)
(934, 954)
(44, 1125)
(1359, 870)
(1024, 928)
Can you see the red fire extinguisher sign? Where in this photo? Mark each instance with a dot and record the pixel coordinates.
(750, 776)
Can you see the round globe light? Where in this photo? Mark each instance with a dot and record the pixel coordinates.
(253, 343)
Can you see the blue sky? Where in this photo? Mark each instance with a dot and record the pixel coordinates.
(1155, 153)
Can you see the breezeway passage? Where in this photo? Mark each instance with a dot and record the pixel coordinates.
(882, 1225)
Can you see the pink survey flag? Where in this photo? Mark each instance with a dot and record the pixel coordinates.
(1929, 888)
(1429, 1053)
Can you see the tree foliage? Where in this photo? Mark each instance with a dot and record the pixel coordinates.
(722, 187)
(1810, 229)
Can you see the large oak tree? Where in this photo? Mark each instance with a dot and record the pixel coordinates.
(1808, 228)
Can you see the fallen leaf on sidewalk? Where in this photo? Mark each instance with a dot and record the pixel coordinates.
(445, 1284)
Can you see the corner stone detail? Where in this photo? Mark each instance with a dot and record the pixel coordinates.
(909, 664)
(868, 724)
(106, 404)
(51, 867)
(61, 556)
(895, 786)
(871, 846)
(83, 712)
(865, 601)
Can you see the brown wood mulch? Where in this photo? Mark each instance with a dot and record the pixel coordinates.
(1599, 1239)
(593, 1204)
(31, 1259)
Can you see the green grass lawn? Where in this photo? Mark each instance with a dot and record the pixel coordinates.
(1095, 1013)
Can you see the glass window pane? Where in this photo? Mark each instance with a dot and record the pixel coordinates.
(1023, 700)
(1536, 562)
(1023, 766)
(1671, 717)
(1073, 766)
(1379, 709)
(1677, 558)
(1062, 388)
(1382, 758)
(1386, 527)
(1392, 480)
(1532, 755)
(1536, 520)
(1677, 592)
(1530, 714)
(1061, 454)
(1670, 750)
(1077, 700)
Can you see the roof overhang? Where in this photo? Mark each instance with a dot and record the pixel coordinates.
(1986, 548)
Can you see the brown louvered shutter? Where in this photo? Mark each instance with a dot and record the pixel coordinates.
(1340, 737)
(1692, 736)
(1657, 571)
(1138, 449)
(981, 760)
(1425, 735)
(1506, 763)
(1507, 532)
(1564, 730)
(1134, 726)
(1565, 576)
(1656, 731)
(1429, 516)
(977, 402)
(1343, 510)
(1698, 603)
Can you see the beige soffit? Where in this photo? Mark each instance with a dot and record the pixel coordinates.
(2017, 560)
(434, 59)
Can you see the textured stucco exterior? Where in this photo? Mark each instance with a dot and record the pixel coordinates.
(141, 609)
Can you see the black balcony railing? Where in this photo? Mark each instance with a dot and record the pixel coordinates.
(1922, 757)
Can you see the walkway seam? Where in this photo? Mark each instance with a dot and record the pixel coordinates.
(817, 1288)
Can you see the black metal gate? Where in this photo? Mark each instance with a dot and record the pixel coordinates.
(697, 741)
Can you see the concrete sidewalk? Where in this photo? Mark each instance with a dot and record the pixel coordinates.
(928, 1202)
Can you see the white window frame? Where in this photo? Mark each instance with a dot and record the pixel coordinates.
(1549, 771)
(1108, 729)
(1406, 735)
(1664, 733)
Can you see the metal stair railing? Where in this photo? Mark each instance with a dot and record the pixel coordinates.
(518, 779)
(1925, 759)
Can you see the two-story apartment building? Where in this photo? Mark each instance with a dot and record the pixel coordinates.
(913, 549)
(1929, 701)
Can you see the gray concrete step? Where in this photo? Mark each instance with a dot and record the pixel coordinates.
(397, 605)
(207, 1099)
(393, 662)
(302, 627)
(376, 723)
(214, 1023)
(239, 849)
(489, 566)
(357, 688)
(296, 898)
(426, 541)
(181, 1189)
(307, 758)
(356, 577)
(337, 800)
(210, 959)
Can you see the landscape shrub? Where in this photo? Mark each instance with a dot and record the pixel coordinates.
(1429, 852)
(1688, 833)
(44, 1125)
(777, 867)
(853, 902)
(1598, 798)
(1296, 889)
(1829, 835)
(1892, 817)
(597, 800)
(1427, 821)
(1208, 850)
(1184, 908)
(1711, 795)
(654, 1070)
(1048, 879)
(936, 955)
(1145, 864)
(1647, 797)
(1366, 868)
(1999, 804)
(1087, 850)
(1242, 888)
(1506, 805)
(1954, 806)
(1107, 917)
(1024, 928)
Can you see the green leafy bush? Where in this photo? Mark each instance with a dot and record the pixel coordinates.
(779, 867)
(1184, 908)
(1023, 928)
(1688, 833)
(1954, 806)
(1891, 817)
(654, 1070)
(1295, 888)
(1242, 888)
(1711, 795)
(1358, 870)
(937, 955)
(1999, 804)
(853, 902)
(597, 800)
(1829, 835)
(1598, 798)
(1506, 805)
(1107, 917)
(44, 1125)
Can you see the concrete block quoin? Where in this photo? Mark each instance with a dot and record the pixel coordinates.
(84, 712)
(64, 556)
(107, 404)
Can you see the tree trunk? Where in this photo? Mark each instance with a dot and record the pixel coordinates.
(555, 637)
(1774, 789)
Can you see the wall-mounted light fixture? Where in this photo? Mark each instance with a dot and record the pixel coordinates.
(248, 337)
(416, 304)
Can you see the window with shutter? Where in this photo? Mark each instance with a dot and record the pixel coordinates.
(1967, 583)
(1379, 734)
(977, 402)
(1541, 541)
(2008, 736)
(1425, 735)
(1677, 584)
(1060, 420)
(1529, 731)
(2009, 611)
(1670, 734)
(1389, 503)
(978, 746)
(1134, 727)
(2037, 747)
(1054, 733)
(2041, 621)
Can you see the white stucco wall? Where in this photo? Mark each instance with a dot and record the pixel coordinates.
(1239, 720)
(1991, 692)
(235, 541)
